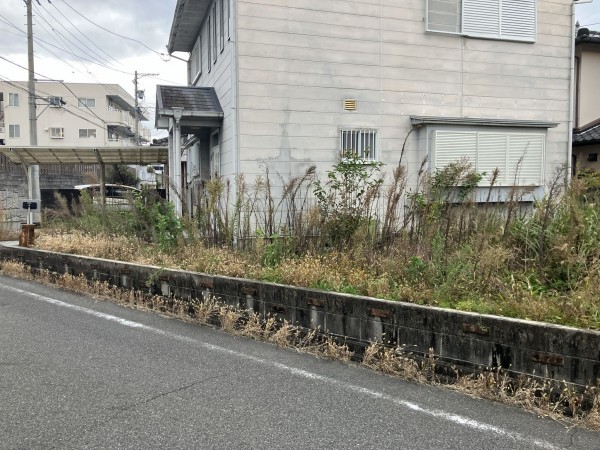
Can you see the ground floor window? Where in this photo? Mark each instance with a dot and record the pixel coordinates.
(359, 142)
(519, 156)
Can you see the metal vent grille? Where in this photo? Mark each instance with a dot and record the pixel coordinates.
(350, 104)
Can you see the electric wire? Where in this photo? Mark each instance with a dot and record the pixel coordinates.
(111, 32)
(75, 37)
(83, 34)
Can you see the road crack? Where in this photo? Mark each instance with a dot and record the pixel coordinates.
(157, 396)
(132, 406)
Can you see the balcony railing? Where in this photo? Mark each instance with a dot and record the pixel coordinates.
(120, 142)
(119, 117)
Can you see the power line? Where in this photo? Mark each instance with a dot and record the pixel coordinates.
(75, 37)
(111, 32)
(24, 68)
(83, 34)
(79, 56)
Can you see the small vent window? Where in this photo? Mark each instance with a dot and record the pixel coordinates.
(350, 104)
(360, 143)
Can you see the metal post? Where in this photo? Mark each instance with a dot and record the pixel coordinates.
(137, 123)
(135, 94)
(177, 114)
(33, 172)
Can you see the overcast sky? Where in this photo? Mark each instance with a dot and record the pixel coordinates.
(64, 23)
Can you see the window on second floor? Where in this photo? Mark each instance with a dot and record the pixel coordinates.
(196, 61)
(87, 133)
(57, 133)
(14, 131)
(513, 20)
(13, 99)
(87, 102)
(209, 42)
(215, 32)
(360, 143)
(222, 23)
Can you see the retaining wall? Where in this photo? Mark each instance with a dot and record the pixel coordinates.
(457, 338)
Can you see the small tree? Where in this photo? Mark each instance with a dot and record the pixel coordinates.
(346, 199)
(121, 174)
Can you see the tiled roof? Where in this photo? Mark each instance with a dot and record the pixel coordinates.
(587, 35)
(192, 99)
(588, 134)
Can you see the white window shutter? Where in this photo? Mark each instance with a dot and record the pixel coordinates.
(453, 146)
(481, 18)
(518, 19)
(525, 159)
(492, 155)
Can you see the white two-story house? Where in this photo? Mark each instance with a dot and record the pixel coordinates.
(287, 84)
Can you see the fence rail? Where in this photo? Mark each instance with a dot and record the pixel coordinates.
(6, 166)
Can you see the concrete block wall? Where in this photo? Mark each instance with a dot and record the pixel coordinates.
(457, 338)
(14, 191)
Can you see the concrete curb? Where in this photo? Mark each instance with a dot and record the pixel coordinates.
(458, 338)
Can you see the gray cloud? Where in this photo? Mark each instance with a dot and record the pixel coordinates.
(148, 21)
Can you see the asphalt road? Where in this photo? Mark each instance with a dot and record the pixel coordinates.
(77, 373)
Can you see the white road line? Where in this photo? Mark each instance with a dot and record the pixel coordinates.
(450, 417)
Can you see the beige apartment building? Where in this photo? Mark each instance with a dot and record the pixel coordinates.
(586, 135)
(69, 114)
(289, 84)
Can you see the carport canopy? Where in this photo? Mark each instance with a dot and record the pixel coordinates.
(86, 155)
(32, 156)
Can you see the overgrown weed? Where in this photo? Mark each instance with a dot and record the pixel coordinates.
(450, 242)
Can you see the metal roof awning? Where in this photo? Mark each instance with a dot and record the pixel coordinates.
(418, 121)
(199, 107)
(186, 24)
(86, 155)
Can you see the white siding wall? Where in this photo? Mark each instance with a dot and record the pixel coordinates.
(220, 77)
(298, 59)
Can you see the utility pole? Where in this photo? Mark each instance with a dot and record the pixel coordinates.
(137, 115)
(33, 172)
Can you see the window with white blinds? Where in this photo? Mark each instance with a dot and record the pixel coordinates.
(519, 157)
(494, 19)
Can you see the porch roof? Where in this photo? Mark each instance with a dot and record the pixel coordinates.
(199, 106)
